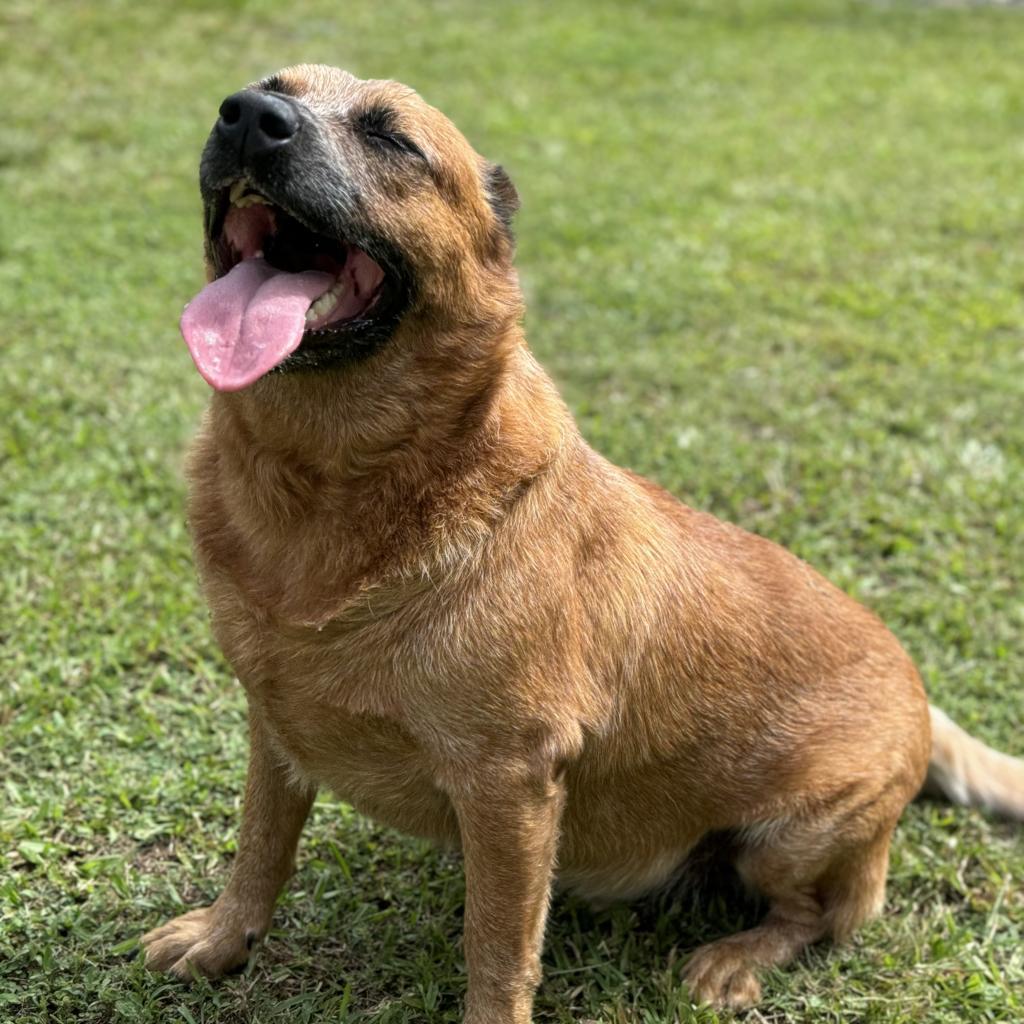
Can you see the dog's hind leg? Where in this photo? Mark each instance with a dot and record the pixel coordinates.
(813, 890)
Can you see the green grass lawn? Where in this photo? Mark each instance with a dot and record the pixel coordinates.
(774, 255)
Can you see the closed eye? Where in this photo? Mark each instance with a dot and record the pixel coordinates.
(396, 140)
(379, 126)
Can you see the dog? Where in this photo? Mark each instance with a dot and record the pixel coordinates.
(448, 609)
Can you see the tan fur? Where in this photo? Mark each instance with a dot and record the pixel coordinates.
(448, 609)
(967, 772)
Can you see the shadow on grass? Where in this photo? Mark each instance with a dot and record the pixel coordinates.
(384, 935)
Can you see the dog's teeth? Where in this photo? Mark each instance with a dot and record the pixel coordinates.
(240, 196)
(320, 307)
(325, 303)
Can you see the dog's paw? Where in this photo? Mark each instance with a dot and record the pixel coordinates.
(205, 942)
(722, 975)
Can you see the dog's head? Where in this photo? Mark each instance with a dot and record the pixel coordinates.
(341, 215)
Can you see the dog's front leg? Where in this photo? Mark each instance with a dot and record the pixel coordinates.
(509, 831)
(215, 939)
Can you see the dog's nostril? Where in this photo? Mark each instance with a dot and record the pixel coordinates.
(230, 111)
(277, 126)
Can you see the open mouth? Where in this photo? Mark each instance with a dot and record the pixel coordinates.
(256, 228)
(278, 286)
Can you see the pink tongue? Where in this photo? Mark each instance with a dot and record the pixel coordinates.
(245, 323)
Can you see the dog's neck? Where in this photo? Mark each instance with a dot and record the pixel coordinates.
(409, 466)
(405, 413)
(407, 430)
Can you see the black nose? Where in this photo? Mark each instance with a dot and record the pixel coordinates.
(256, 122)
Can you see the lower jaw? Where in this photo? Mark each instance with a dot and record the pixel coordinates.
(339, 350)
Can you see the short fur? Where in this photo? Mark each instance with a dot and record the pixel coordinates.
(448, 609)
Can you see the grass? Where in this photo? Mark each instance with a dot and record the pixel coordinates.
(773, 255)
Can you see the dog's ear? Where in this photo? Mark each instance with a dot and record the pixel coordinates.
(502, 194)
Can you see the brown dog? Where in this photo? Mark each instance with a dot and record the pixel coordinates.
(448, 609)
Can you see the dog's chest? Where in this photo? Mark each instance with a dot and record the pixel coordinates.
(340, 704)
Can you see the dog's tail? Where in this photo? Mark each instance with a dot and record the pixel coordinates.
(965, 771)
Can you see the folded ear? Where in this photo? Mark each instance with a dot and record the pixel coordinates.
(502, 194)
